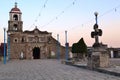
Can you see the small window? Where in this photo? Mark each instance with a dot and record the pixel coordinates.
(49, 40)
(15, 17)
(22, 39)
(42, 39)
(15, 40)
(36, 31)
(30, 39)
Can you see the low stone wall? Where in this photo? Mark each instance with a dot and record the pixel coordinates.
(97, 69)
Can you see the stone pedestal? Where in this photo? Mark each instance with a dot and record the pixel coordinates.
(98, 58)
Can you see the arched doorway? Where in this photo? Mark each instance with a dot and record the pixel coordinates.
(36, 53)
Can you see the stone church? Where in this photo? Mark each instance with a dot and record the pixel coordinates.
(33, 44)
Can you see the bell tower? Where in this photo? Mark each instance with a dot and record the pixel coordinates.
(15, 23)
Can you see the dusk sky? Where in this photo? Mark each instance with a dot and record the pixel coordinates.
(75, 16)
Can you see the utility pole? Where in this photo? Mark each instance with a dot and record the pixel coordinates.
(58, 47)
(66, 47)
(4, 48)
(8, 47)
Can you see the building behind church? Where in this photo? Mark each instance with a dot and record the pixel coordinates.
(33, 44)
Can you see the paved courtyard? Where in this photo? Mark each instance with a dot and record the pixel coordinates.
(47, 70)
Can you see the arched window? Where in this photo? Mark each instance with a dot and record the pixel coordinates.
(22, 39)
(15, 27)
(15, 17)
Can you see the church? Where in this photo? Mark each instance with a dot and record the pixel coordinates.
(33, 44)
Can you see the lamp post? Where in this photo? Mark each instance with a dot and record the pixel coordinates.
(8, 48)
(96, 14)
(96, 28)
(4, 48)
(96, 33)
(58, 47)
(66, 47)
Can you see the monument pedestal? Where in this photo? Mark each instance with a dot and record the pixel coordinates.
(98, 58)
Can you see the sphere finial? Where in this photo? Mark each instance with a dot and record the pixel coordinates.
(96, 13)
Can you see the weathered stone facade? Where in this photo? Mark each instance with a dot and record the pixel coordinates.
(33, 44)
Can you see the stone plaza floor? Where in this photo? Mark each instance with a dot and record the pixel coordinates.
(47, 70)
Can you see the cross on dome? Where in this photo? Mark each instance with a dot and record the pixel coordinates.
(15, 4)
(15, 9)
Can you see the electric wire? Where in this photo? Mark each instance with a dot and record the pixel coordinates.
(60, 14)
(40, 13)
(85, 23)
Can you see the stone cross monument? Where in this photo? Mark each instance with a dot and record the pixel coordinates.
(99, 56)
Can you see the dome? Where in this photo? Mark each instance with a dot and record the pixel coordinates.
(15, 9)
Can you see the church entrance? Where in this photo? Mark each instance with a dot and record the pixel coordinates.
(36, 53)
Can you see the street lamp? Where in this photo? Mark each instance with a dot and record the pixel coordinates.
(96, 14)
(58, 47)
(66, 47)
(8, 47)
(96, 33)
(4, 48)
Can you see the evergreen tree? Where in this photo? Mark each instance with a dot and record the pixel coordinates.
(80, 48)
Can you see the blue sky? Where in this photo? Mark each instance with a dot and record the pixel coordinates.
(60, 15)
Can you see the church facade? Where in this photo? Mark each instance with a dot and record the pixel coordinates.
(33, 44)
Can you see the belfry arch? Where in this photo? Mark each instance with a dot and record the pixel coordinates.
(15, 17)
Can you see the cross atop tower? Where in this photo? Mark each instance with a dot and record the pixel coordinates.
(15, 4)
